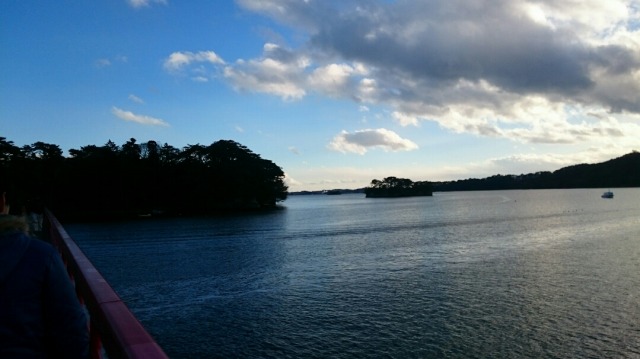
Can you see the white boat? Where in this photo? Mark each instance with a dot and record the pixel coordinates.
(607, 194)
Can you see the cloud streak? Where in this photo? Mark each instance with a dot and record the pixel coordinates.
(100, 63)
(179, 60)
(135, 99)
(141, 119)
(145, 3)
(361, 141)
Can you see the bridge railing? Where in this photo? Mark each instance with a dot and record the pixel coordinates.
(113, 328)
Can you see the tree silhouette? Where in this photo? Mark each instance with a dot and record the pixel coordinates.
(398, 187)
(110, 180)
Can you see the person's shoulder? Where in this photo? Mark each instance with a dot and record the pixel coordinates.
(43, 255)
(37, 248)
(14, 239)
(41, 247)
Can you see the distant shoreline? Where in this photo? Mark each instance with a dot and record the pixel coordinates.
(621, 172)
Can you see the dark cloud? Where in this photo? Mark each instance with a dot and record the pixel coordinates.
(616, 59)
(447, 41)
(441, 42)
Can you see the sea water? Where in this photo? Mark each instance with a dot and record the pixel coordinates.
(498, 274)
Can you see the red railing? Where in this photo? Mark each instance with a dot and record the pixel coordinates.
(112, 326)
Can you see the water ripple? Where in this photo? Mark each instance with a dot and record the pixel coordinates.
(505, 274)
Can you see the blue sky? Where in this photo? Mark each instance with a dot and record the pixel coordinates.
(337, 93)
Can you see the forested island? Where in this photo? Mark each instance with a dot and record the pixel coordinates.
(139, 179)
(398, 187)
(623, 171)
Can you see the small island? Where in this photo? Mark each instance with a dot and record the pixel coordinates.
(398, 187)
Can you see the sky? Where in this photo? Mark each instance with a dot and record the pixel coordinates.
(337, 93)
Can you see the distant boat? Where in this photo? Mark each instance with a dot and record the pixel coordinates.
(607, 194)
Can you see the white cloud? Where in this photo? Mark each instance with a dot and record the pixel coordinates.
(200, 79)
(141, 119)
(361, 141)
(590, 18)
(103, 63)
(135, 99)
(279, 72)
(145, 3)
(294, 150)
(106, 62)
(331, 79)
(404, 119)
(290, 181)
(178, 60)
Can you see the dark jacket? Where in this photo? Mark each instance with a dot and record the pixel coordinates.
(40, 316)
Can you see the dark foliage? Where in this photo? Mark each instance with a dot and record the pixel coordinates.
(133, 179)
(397, 187)
(619, 172)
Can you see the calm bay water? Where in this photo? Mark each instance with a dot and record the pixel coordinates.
(501, 274)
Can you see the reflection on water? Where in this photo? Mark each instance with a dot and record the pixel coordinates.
(469, 274)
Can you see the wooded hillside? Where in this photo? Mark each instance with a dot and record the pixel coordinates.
(623, 171)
